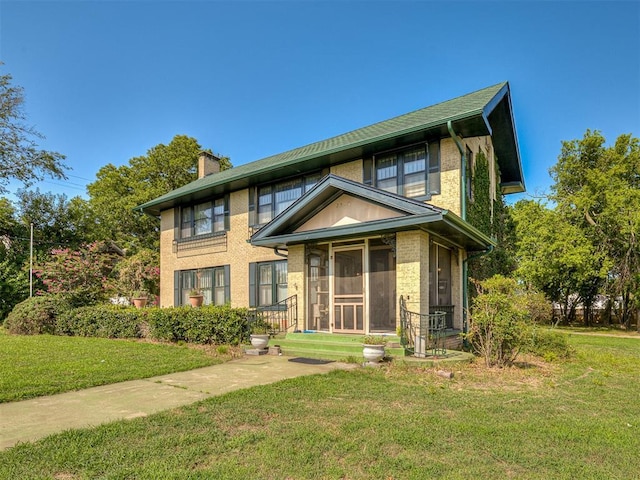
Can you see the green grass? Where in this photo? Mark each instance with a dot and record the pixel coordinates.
(31, 366)
(613, 330)
(576, 419)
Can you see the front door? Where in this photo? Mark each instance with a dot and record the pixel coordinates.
(348, 290)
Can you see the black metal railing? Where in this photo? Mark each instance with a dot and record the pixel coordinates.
(422, 334)
(279, 317)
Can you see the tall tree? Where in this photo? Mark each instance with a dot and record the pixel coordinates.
(597, 187)
(58, 222)
(14, 282)
(118, 190)
(20, 157)
(556, 258)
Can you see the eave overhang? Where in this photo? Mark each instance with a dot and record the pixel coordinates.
(281, 231)
(485, 112)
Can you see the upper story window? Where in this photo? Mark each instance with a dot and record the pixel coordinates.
(412, 172)
(204, 218)
(275, 198)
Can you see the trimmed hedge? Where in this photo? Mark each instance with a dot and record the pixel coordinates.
(106, 321)
(206, 325)
(36, 315)
(212, 324)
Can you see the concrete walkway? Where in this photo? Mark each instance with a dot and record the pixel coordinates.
(33, 419)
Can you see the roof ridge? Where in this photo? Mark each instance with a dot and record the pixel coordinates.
(430, 116)
(421, 109)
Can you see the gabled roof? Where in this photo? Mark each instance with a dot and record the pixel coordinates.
(485, 112)
(284, 230)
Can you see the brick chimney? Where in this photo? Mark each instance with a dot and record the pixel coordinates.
(208, 164)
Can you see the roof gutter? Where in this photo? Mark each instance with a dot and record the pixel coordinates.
(463, 171)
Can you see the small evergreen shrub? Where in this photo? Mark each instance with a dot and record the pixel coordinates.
(36, 315)
(549, 345)
(106, 321)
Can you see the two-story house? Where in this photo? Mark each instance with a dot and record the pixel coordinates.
(346, 225)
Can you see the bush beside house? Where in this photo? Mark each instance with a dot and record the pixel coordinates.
(206, 325)
(36, 315)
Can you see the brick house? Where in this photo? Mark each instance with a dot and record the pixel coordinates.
(345, 225)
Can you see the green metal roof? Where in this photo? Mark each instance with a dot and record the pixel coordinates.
(484, 112)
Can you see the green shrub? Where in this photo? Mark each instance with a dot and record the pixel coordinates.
(539, 308)
(167, 323)
(107, 321)
(36, 315)
(499, 326)
(549, 345)
(212, 324)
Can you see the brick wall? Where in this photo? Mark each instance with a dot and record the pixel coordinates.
(412, 269)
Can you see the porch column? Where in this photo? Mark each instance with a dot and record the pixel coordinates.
(296, 281)
(412, 270)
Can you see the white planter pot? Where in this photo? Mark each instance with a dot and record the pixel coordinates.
(373, 353)
(259, 341)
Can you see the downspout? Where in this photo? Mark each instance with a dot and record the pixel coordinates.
(463, 215)
(278, 253)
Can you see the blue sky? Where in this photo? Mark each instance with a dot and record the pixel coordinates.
(106, 80)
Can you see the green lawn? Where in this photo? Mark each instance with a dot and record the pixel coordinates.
(579, 419)
(31, 366)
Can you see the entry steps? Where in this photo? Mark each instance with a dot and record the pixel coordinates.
(330, 346)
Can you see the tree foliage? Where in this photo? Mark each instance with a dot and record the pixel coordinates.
(556, 258)
(118, 190)
(58, 222)
(492, 218)
(81, 276)
(14, 281)
(139, 274)
(597, 189)
(20, 157)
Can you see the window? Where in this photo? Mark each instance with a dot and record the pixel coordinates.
(434, 168)
(204, 218)
(274, 199)
(405, 172)
(214, 283)
(267, 283)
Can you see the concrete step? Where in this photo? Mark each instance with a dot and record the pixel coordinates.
(330, 346)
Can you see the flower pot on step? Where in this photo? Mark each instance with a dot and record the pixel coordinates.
(373, 353)
(259, 341)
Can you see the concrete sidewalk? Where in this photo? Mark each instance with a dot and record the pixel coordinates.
(33, 419)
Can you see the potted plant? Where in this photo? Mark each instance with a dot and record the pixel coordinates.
(373, 348)
(137, 277)
(140, 298)
(259, 335)
(196, 297)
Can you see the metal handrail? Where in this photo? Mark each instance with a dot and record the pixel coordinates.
(279, 317)
(421, 333)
